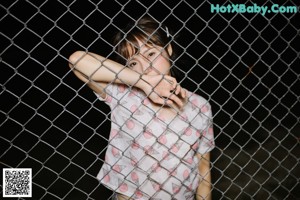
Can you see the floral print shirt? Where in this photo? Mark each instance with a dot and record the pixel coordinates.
(150, 156)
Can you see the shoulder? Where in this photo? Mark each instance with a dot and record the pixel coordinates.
(196, 99)
(199, 103)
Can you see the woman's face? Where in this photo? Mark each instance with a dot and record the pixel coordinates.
(150, 60)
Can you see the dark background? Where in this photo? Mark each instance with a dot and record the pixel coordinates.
(246, 65)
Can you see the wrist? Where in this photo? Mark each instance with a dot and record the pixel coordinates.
(142, 82)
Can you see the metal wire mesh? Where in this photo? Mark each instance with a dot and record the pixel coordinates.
(245, 64)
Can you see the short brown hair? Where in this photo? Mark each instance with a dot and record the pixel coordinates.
(146, 30)
(151, 33)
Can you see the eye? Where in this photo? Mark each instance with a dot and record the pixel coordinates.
(132, 64)
(151, 54)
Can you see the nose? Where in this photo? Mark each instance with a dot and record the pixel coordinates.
(146, 64)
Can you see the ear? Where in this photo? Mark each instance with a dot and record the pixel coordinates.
(170, 49)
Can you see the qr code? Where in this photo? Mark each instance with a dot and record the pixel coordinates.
(17, 182)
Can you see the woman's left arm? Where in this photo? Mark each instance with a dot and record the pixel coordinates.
(204, 187)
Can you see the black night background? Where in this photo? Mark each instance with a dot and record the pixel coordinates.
(246, 65)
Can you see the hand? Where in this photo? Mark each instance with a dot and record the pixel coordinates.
(163, 89)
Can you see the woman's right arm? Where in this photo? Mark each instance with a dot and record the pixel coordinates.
(91, 68)
(97, 71)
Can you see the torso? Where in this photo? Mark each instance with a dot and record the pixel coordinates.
(151, 141)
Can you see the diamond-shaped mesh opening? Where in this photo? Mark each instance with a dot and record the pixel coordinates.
(245, 64)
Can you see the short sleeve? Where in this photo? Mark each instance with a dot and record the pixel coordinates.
(109, 90)
(207, 141)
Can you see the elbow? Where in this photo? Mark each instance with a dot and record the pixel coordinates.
(74, 64)
(75, 57)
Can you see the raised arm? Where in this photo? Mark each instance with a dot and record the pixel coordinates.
(97, 71)
(91, 68)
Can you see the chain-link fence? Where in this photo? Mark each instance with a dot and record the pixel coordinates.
(245, 64)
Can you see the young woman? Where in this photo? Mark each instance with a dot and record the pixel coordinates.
(161, 134)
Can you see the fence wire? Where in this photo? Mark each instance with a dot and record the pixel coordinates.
(245, 64)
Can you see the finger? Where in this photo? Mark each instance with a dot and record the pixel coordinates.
(164, 101)
(178, 89)
(183, 93)
(175, 99)
(158, 99)
(169, 102)
(173, 82)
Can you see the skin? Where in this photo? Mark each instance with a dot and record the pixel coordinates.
(204, 187)
(149, 70)
(151, 60)
(97, 71)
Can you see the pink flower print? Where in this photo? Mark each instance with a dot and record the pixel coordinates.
(138, 194)
(155, 186)
(204, 108)
(210, 130)
(130, 124)
(121, 88)
(134, 109)
(173, 171)
(133, 160)
(146, 101)
(150, 150)
(106, 158)
(135, 145)
(198, 133)
(123, 187)
(195, 146)
(183, 117)
(189, 160)
(163, 139)
(106, 178)
(148, 133)
(115, 152)
(211, 143)
(175, 148)
(203, 133)
(161, 117)
(114, 134)
(186, 174)
(158, 118)
(188, 131)
(118, 168)
(135, 178)
(195, 104)
(176, 188)
(108, 98)
(166, 155)
(133, 92)
(156, 167)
